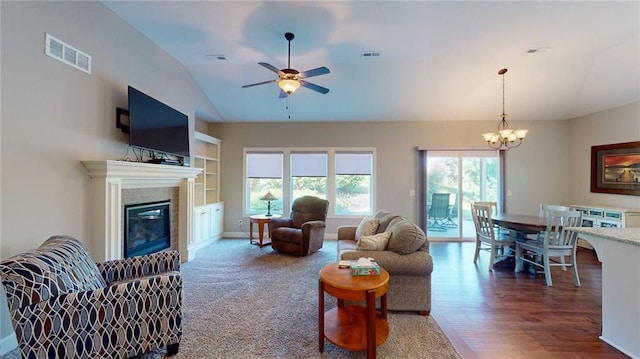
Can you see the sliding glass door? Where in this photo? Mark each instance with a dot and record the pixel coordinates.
(454, 180)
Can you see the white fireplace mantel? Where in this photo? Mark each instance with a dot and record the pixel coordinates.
(109, 178)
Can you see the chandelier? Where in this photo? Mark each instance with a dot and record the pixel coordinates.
(505, 138)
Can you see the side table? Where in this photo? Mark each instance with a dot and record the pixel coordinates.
(353, 327)
(261, 219)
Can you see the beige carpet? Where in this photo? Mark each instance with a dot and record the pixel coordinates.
(241, 301)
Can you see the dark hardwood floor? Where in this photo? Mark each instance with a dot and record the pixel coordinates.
(502, 314)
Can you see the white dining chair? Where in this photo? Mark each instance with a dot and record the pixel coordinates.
(487, 238)
(545, 208)
(493, 205)
(555, 242)
(494, 209)
(542, 212)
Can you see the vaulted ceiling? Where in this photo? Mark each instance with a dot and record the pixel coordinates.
(438, 60)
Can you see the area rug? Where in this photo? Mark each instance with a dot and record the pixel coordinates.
(242, 301)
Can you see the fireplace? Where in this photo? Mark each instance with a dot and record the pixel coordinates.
(110, 180)
(147, 228)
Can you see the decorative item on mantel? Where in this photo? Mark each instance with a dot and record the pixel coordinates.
(505, 138)
(268, 197)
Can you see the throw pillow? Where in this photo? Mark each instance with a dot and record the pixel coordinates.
(368, 226)
(385, 217)
(406, 237)
(376, 242)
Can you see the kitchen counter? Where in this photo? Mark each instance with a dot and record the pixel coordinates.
(627, 235)
(619, 251)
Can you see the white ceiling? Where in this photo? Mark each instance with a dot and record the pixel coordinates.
(439, 59)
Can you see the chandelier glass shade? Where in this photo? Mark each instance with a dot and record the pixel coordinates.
(289, 86)
(505, 138)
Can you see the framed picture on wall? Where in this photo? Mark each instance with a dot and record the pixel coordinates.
(615, 168)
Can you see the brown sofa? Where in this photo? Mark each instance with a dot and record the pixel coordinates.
(409, 268)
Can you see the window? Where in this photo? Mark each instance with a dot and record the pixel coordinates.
(308, 175)
(354, 183)
(345, 177)
(264, 174)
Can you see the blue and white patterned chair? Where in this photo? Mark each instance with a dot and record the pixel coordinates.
(63, 305)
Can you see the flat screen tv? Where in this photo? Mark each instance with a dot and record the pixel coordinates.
(155, 126)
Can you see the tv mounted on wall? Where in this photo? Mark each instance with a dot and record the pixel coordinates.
(157, 127)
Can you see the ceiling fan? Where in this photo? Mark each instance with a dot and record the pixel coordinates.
(289, 80)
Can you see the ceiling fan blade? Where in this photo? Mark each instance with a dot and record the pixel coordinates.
(283, 94)
(270, 67)
(259, 83)
(314, 87)
(315, 72)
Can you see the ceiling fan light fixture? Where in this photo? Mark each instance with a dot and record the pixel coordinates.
(289, 86)
(289, 80)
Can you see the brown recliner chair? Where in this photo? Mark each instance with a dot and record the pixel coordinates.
(303, 232)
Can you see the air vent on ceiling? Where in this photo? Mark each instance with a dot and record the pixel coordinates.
(371, 54)
(66, 53)
(216, 57)
(537, 50)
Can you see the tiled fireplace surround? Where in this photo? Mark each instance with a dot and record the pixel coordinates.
(116, 183)
(146, 195)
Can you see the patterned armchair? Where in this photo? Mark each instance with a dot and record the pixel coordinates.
(63, 305)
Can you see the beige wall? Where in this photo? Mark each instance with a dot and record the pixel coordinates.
(618, 125)
(536, 170)
(54, 116)
(551, 166)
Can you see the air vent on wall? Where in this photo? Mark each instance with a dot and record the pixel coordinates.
(66, 53)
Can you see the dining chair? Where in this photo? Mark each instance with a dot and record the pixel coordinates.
(556, 241)
(493, 205)
(439, 211)
(545, 208)
(542, 212)
(494, 209)
(487, 238)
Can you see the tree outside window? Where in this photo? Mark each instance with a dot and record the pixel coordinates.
(354, 183)
(308, 175)
(344, 177)
(264, 174)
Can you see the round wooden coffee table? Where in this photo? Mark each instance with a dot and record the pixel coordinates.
(353, 327)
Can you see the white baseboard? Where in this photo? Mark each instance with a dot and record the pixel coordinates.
(328, 236)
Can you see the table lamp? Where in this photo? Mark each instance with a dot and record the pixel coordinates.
(268, 197)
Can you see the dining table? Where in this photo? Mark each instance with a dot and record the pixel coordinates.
(521, 223)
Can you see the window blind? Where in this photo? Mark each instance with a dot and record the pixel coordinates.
(309, 165)
(264, 165)
(354, 163)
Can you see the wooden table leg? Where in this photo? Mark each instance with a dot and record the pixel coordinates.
(383, 306)
(260, 231)
(320, 316)
(250, 232)
(371, 324)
